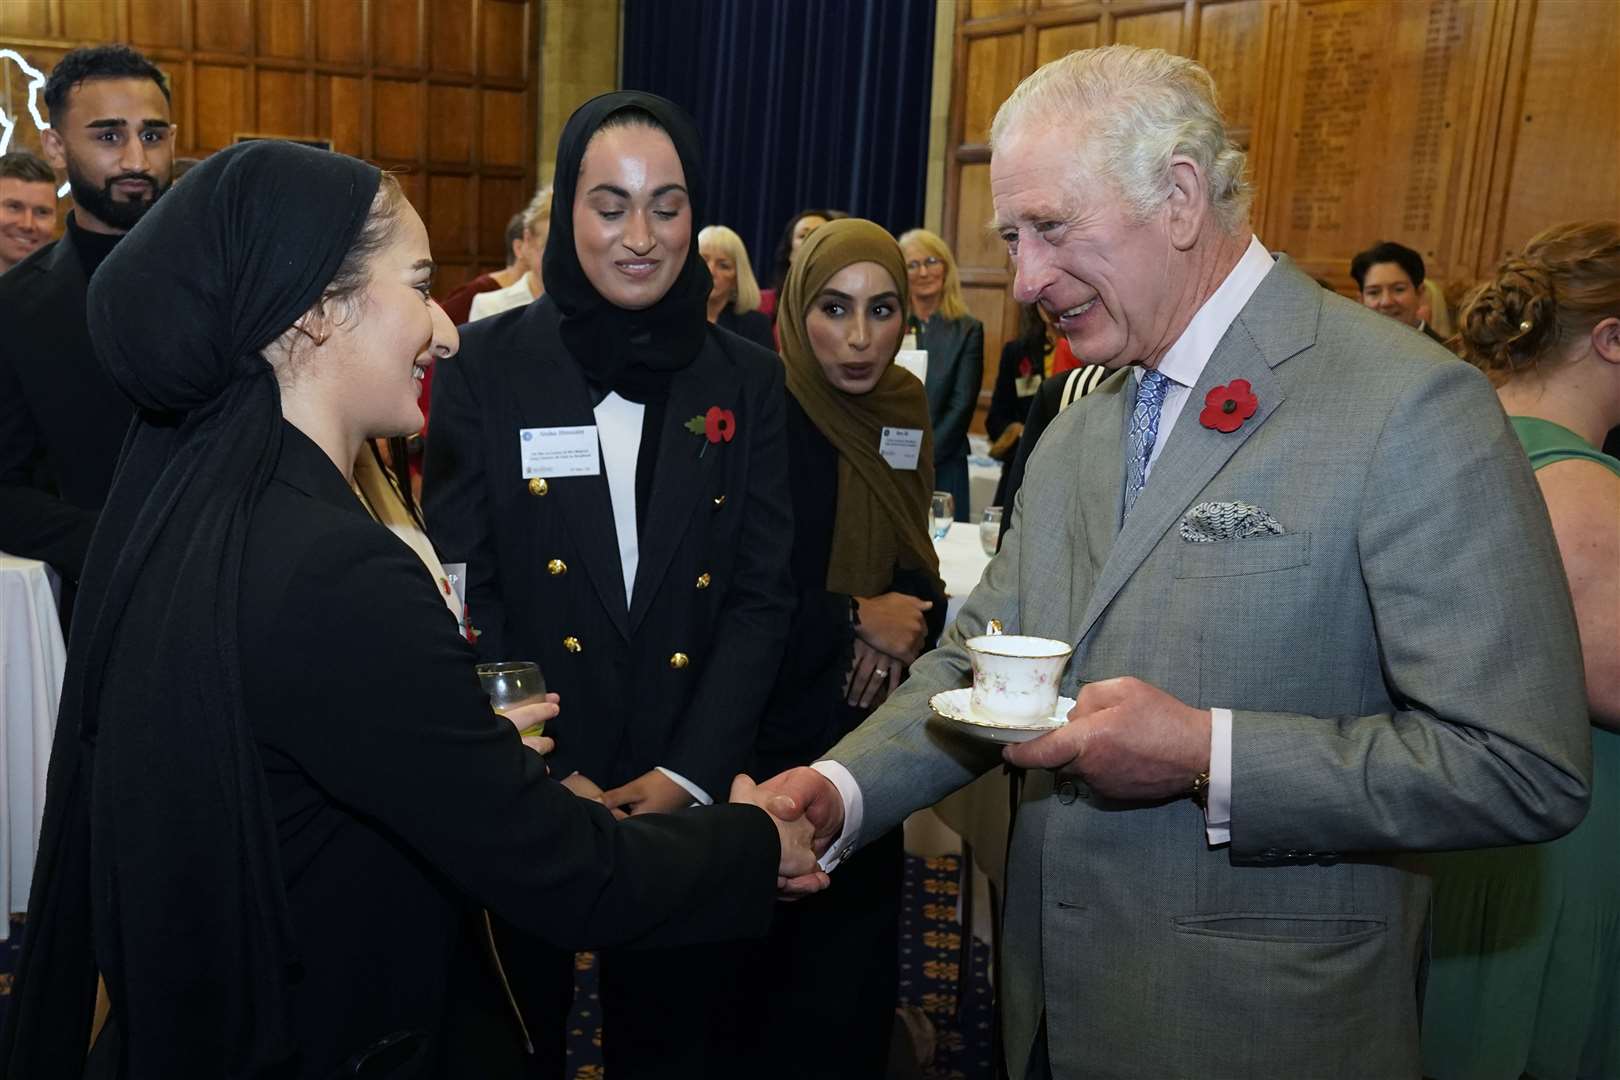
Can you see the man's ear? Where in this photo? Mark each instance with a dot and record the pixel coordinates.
(55, 151)
(1187, 201)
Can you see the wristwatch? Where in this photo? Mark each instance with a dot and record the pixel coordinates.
(1200, 790)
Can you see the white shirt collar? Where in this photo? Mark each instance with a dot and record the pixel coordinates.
(1184, 362)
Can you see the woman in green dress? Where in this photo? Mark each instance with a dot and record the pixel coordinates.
(1525, 979)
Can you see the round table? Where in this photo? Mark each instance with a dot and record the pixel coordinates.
(32, 659)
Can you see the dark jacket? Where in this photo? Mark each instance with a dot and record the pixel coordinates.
(756, 326)
(807, 711)
(679, 679)
(955, 350)
(403, 803)
(62, 422)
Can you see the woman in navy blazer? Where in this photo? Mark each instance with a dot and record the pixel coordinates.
(954, 341)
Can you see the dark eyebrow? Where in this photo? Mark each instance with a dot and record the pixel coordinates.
(425, 264)
(120, 122)
(834, 294)
(610, 189)
(667, 188)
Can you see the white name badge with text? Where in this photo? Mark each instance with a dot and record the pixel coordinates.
(551, 452)
(900, 446)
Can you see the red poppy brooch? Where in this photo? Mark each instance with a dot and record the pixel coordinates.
(716, 425)
(1226, 407)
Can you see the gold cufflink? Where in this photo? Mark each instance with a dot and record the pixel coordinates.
(538, 486)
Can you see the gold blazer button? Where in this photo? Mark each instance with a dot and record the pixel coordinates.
(703, 581)
(538, 486)
(571, 643)
(719, 501)
(556, 567)
(679, 661)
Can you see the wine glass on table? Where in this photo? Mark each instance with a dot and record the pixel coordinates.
(943, 511)
(511, 683)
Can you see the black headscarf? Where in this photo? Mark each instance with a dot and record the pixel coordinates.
(158, 847)
(630, 352)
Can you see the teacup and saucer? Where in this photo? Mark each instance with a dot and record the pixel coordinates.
(1014, 696)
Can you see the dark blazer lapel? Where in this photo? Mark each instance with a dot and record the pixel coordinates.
(1279, 320)
(551, 389)
(684, 460)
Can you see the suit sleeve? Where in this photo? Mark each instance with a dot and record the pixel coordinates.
(34, 524)
(964, 395)
(716, 735)
(455, 499)
(412, 744)
(1488, 743)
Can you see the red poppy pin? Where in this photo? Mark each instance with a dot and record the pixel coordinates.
(1025, 368)
(716, 425)
(1226, 407)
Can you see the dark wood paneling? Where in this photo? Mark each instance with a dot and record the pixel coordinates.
(281, 104)
(397, 30)
(281, 27)
(450, 228)
(224, 26)
(221, 110)
(450, 29)
(396, 132)
(505, 128)
(450, 124)
(340, 31)
(340, 112)
(499, 198)
(156, 23)
(26, 18)
(503, 29)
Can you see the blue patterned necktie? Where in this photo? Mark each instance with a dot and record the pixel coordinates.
(1144, 432)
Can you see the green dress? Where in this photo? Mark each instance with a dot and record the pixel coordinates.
(1525, 976)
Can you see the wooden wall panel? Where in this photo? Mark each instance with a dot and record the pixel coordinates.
(340, 31)
(995, 64)
(441, 92)
(1052, 42)
(1459, 127)
(1563, 130)
(281, 27)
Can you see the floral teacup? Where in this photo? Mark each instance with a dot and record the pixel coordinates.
(1015, 678)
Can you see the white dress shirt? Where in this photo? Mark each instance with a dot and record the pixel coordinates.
(503, 299)
(618, 430)
(1183, 364)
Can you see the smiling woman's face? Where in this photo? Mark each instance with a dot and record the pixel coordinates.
(632, 216)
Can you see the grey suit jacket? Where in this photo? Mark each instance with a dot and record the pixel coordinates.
(1403, 668)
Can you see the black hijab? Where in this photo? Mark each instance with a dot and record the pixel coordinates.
(631, 352)
(158, 862)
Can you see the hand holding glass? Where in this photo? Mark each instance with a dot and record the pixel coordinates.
(513, 682)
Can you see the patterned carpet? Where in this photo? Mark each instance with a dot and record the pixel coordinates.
(930, 940)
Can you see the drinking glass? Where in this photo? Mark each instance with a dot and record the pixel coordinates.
(990, 530)
(512, 682)
(944, 512)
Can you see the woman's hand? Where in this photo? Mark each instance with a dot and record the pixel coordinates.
(893, 623)
(872, 676)
(530, 719)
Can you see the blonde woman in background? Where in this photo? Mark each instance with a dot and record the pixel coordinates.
(528, 285)
(954, 342)
(1525, 978)
(734, 299)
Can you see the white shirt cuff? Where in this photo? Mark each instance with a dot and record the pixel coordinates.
(850, 792)
(1218, 798)
(699, 796)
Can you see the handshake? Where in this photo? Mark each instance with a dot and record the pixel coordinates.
(809, 815)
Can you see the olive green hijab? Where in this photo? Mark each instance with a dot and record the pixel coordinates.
(881, 520)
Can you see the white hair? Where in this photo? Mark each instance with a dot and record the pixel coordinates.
(1137, 108)
(538, 211)
(731, 244)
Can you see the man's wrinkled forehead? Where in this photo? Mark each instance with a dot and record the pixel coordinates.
(1042, 172)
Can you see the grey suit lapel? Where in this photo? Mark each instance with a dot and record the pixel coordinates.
(1278, 321)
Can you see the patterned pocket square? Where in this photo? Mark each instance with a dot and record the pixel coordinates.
(1211, 521)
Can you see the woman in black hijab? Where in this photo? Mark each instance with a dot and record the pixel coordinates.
(644, 565)
(277, 796)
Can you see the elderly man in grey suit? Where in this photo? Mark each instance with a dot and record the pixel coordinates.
(1340, 617)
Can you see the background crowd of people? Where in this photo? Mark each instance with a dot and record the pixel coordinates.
(273, 763)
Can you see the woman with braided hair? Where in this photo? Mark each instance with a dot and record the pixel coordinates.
(1525, 978)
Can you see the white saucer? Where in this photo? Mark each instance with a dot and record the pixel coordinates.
(953, 706)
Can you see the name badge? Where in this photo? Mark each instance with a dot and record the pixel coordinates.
(900, 446)
(551, 452)
(1027, 384)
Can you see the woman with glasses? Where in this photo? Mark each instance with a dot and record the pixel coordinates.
(954, 342)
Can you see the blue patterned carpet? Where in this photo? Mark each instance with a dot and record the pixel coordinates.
(930, 940)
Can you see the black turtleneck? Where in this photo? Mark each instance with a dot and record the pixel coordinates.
(92, 247)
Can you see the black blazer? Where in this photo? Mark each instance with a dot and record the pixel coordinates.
(62, 421)
(807, 712)
(756, 326)
(403, 804)
(679, 679)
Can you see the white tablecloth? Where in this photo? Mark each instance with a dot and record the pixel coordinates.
(961, 564)
(32, 658)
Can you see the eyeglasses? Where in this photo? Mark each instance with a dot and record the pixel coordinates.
(931, 262)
